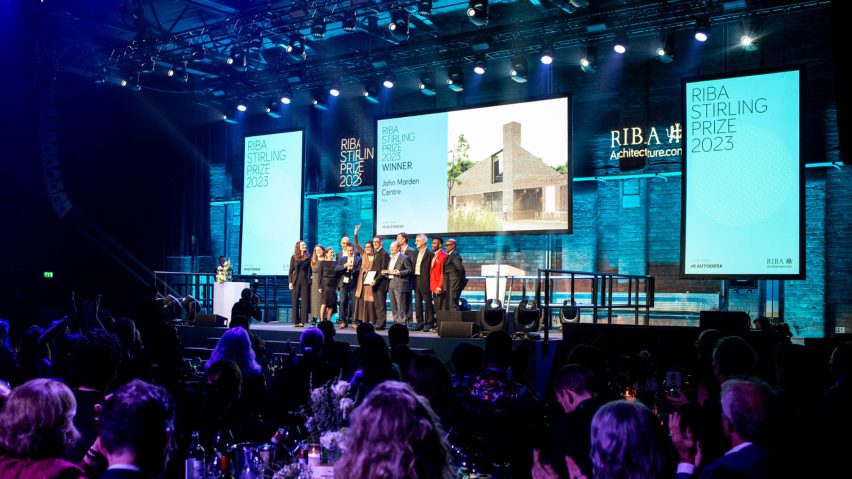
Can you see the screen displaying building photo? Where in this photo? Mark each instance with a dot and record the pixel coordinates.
(493, 169)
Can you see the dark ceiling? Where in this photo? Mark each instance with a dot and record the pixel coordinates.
(141, 40)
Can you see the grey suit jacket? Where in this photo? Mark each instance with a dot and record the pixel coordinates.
(403, 265)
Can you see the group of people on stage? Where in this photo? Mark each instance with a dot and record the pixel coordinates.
(364, 276)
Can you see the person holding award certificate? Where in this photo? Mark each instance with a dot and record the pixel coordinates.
(365, 310)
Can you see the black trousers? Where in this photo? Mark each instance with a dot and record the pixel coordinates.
(454, 289)
(380, 298)
(423, 300)
(301, 298)
(347, 303)
(440, 302)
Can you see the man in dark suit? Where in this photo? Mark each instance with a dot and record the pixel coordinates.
(350, 263)
(406, 249)
(137, 423)
(455, 278)
(399, 270)
(422, 293)
(748, 408)
(380, 282)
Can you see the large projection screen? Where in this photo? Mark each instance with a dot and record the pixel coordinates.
(518, 180)
(272, 202)
(743, 177)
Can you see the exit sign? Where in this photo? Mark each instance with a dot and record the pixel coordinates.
(48, 274)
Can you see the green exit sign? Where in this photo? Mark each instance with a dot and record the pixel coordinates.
(48, 274)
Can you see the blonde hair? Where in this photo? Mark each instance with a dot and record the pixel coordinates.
(37, 421)
(411, 440)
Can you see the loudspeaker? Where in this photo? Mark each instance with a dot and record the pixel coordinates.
(457, 316)
(728, 322)
(210, 320)
(455, 329)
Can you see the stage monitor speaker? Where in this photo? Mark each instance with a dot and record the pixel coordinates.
(728, 322)
(457, 316)
(210, 320)
(455, 329)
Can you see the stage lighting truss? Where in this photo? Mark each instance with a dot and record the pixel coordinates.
(477, 12)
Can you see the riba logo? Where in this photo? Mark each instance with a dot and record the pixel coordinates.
(779, 262)
(624, 142)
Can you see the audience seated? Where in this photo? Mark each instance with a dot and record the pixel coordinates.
(395, 434)
(137, 425)
(748, 411)
(92, 368)
(291, 388)
(8, 363)
(337, 353)
(430, 378)
(36, 428)
(575, 389)
(374, 368)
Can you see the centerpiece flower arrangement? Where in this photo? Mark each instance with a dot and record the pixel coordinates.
(329, 409)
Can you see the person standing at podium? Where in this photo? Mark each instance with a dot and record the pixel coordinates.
(300, 284)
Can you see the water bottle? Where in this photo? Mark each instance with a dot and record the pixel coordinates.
(194, 463)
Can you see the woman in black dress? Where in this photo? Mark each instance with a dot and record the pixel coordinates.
(328, 288)
(300, 284)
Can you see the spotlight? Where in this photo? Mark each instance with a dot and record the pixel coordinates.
(229, 119)
(318, 28)
(170, 72)
(702, 29)
(122, 82)
(286, 98)
(569, 312)
(371, 92)
(242, 106)
(748, 43)
(320, 101)
(519, 68)
(477, 12)
(296, 47)
(399, 23)
(620, 45)
(229, 60)
(334, 90)
(527, 316)
(455, 79)
(427, 84)
(579, 3)
(350, 22)
(587, 63)
(664, 53)
(480, 66)
(273, 109)
(424, 8)
(389, 80)
(546, 56)
(493, 316)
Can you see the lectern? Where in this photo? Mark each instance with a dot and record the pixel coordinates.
(225, 295)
